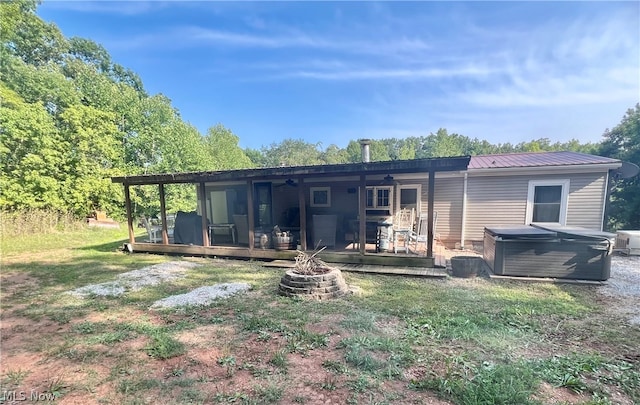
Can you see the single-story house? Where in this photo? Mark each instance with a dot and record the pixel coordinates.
(452, 200)
(561, 188)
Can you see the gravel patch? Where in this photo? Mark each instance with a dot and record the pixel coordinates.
(624, 287)
(202, 295)
(137, 279)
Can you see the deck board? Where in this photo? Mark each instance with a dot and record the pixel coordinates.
(364, 268)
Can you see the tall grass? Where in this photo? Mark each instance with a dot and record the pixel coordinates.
(37, 221)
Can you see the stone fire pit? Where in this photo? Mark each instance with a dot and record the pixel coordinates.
(314, 286)
(312, 278)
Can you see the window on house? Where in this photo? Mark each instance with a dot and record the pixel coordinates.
(379, 197)
(547, 201)
(409, 197)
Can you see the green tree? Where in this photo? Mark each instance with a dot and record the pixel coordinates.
(623, 142)
(27, 36)
(334, 155)
(292, 152)
(90, 159)
(31, 155)
(223, 150)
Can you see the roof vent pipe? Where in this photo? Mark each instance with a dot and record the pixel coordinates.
(364, 144)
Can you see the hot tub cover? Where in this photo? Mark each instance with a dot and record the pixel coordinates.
(520, 231)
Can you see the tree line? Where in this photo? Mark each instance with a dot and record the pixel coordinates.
(71, 118)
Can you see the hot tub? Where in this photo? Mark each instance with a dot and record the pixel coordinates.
(548, 251)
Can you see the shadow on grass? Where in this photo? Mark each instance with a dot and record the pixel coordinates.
(80, 271)
(105, 247)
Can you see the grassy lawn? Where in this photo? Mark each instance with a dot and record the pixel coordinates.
(402, 340)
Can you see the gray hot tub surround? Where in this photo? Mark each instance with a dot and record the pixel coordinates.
(548, 251)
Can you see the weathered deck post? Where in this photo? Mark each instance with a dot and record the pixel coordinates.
(127, 203)
(205, 225)
(431, 199)
(362, 226)
(250, 217)
(303, 214)
(163, 215)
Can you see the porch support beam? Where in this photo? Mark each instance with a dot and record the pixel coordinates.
(163, 215)
(127, 203)
(303, 214)
(362, 226)
(250, 217)
(431, 199)
(205, 225)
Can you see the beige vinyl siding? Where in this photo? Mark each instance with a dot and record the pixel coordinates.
(448, 205)
(586, 196)
(499, 200)
(502, 200)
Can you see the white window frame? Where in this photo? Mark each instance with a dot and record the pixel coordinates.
(564, 201)
(418, 188)
(313, 190)
(375, 198)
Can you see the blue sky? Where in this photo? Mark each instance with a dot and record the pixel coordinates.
(330, 72)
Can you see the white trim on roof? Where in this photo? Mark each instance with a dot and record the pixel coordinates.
(584, 168)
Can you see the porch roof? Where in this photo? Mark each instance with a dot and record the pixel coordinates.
(346, 169)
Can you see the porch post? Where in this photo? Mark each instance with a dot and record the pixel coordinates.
(127, 203)
(205, 225)
(250, 218)
(303, 214)
(363, 215)
(431, 199)
(163, 215)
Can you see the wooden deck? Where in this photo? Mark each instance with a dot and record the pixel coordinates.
(364, 268)
(413, 263)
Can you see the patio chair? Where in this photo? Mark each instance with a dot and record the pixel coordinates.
(154, 232)
(402, 228)
(420, 235)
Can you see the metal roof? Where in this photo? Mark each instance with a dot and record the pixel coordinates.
(387, 167)
(536, 159)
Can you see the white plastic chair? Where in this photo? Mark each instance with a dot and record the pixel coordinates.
(154, 232)
(421, 233)
(402, 228)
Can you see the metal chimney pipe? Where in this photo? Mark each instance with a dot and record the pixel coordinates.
(364, 144)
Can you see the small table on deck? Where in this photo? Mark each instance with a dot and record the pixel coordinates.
(231, 228)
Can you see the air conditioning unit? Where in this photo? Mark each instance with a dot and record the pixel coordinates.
(628, 242)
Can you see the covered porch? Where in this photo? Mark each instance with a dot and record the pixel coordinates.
(350, 210)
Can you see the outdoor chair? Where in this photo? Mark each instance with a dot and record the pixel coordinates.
(154, 232)
(420, 235)
(402, 228)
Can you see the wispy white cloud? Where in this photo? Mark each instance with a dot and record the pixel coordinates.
(390, 73)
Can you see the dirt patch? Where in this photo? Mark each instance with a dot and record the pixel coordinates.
(549, 394)
(13, 284)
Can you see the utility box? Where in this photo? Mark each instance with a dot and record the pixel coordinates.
(628, 242)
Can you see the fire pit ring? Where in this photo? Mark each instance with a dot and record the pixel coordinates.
(314, 286)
